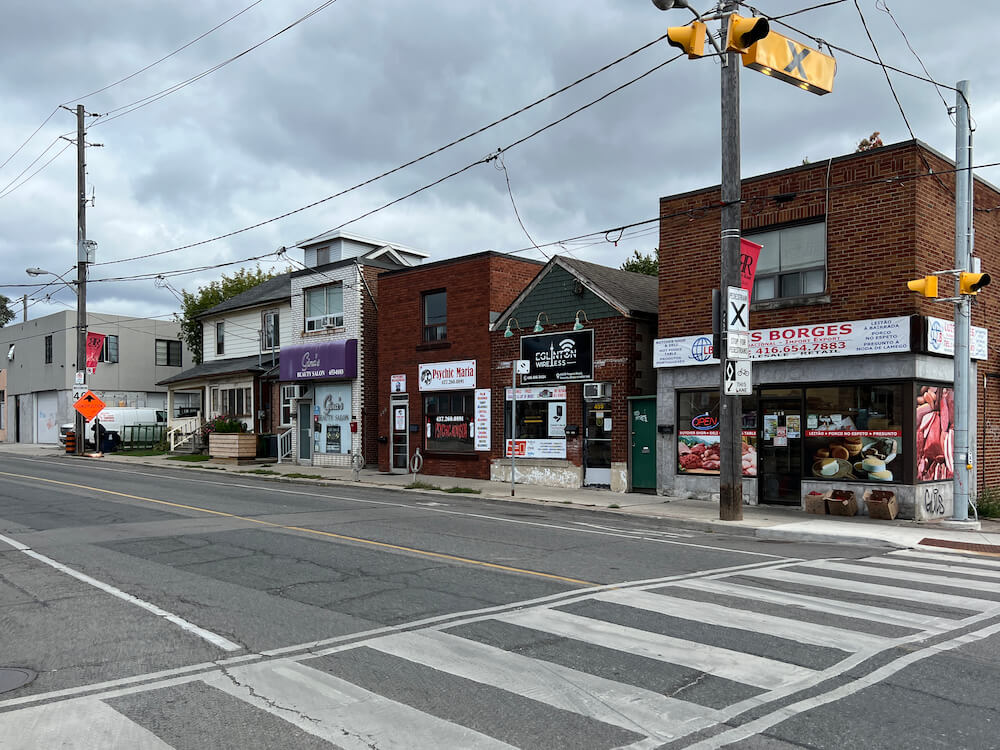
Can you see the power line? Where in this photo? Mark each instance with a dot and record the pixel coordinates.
(405, 165)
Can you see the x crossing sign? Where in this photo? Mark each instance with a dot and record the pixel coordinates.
(787, 60)
(737, 309)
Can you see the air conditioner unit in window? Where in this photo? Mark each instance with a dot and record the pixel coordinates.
(595, 391)
(302, 391)
(333, 321)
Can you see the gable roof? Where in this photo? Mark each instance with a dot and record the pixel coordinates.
(278, 289)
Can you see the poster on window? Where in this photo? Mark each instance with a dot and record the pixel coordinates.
(483, 400)
(537, 448)
(698, 452)
(935, 424)
(332, 428)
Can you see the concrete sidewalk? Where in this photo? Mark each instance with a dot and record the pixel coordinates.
(764, 522)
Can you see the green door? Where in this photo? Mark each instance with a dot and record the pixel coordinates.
(643, 411)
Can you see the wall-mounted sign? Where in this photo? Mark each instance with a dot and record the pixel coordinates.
(553, 393)
(941, 339)
(538, 448)
(559, 357)
(323, 361)
(397, 383)
(448, 376)
(877, 336)
(483, 406)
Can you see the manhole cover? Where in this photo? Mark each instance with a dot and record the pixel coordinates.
(11, 678)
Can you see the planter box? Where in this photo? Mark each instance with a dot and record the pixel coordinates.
(238, 445)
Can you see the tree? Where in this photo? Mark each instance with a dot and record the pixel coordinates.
(872, 141)
(6, 314)
(647, 263)
(195, 303)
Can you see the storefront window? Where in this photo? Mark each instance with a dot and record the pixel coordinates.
(332, 419)
(541, 422)
(935, 426)
(449, 421)
(854, 432)
(698, 434)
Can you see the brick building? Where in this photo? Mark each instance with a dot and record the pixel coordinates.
(586, 331)
(844, 356)
(434, 358)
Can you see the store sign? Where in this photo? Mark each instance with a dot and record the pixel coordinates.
(537, 448)
(483, 406)
(325, 360)
(554, 393)
(559, 357)
(448, 376)
(852, 338)
(941, 339)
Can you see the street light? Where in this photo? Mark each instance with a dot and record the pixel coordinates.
(79, 289)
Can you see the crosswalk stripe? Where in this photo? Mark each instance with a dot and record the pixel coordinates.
(905, 575)
(78, 724)
(721, 662)
(732, 617)
(604, 700)
(973, 566)
(343, 713)
(875, 589)
(956, 572)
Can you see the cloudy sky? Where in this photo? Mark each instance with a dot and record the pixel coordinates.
(359, 88)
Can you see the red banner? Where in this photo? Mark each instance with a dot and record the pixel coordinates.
(749, 254)
(95, 342)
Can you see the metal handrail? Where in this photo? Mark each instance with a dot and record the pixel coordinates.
(284, 445)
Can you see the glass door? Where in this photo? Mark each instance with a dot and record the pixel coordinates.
(779, 471)
(400, 436)
(305, 428)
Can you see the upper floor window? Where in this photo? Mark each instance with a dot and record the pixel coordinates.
(168, 353)
(48, 350)
(269, 331)
(435, 316)
(109, 352)
(792, 262)
(220, 337)
(324, 307)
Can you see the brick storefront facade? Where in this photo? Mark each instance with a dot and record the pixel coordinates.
(889, 216)
(476, 287)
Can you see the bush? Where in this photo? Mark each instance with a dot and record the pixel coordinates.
(988, 503)
(223, 424)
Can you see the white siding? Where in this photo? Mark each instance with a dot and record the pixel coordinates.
(242, 331)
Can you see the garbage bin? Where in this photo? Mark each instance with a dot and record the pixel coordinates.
(109, 442)
(267, 446)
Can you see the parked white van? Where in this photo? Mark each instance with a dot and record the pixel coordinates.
(113, 418)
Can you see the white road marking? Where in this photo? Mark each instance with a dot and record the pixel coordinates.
(213, 638)
(722, 662)
(343, 713)
(633, 708)
(906, 575)
(81, 724)
(952, 563)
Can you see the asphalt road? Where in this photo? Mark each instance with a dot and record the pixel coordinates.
(188, 609)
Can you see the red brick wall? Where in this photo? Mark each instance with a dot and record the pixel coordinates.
(369, 347)
(881, 232)
(475, 286)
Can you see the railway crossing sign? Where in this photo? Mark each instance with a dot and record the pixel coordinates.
(89, 405)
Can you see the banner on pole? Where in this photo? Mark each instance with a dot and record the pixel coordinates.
(95, 342)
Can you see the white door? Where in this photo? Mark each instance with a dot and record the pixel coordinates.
(46, 417)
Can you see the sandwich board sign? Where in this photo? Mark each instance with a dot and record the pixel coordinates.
(89, 405)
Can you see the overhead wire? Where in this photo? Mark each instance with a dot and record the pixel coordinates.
(499, 164)
(401, 167)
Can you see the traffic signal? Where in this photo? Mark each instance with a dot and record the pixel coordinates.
(971, 283)
(690, 38)
(927, 286)
(741, 32)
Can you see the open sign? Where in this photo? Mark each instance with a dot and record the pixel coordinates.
(704, 422)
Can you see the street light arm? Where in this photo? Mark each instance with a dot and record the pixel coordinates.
(43, 272)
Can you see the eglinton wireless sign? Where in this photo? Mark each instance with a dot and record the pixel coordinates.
(558, 357)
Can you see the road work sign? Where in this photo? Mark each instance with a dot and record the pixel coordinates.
(89, 405)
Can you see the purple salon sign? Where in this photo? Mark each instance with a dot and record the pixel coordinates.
(329, 359)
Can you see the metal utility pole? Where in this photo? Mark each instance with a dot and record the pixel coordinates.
(963, 259)
(730, 407)
(81, 266)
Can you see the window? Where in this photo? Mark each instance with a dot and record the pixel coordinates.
(233, 402)
(698, 434)
(168, 353)
(792, 262)
(109, 352)
(448, 420)
(220, 337)
(288, 392)
(435, 316)
(324, 307)
(269, 332)
(48, 350)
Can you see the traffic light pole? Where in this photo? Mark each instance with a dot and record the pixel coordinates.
(730, 407)
(963, 253)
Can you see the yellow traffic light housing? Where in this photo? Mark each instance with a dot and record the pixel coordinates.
(689, 38)
(971, 283)
(741, 32)
(927, 286)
